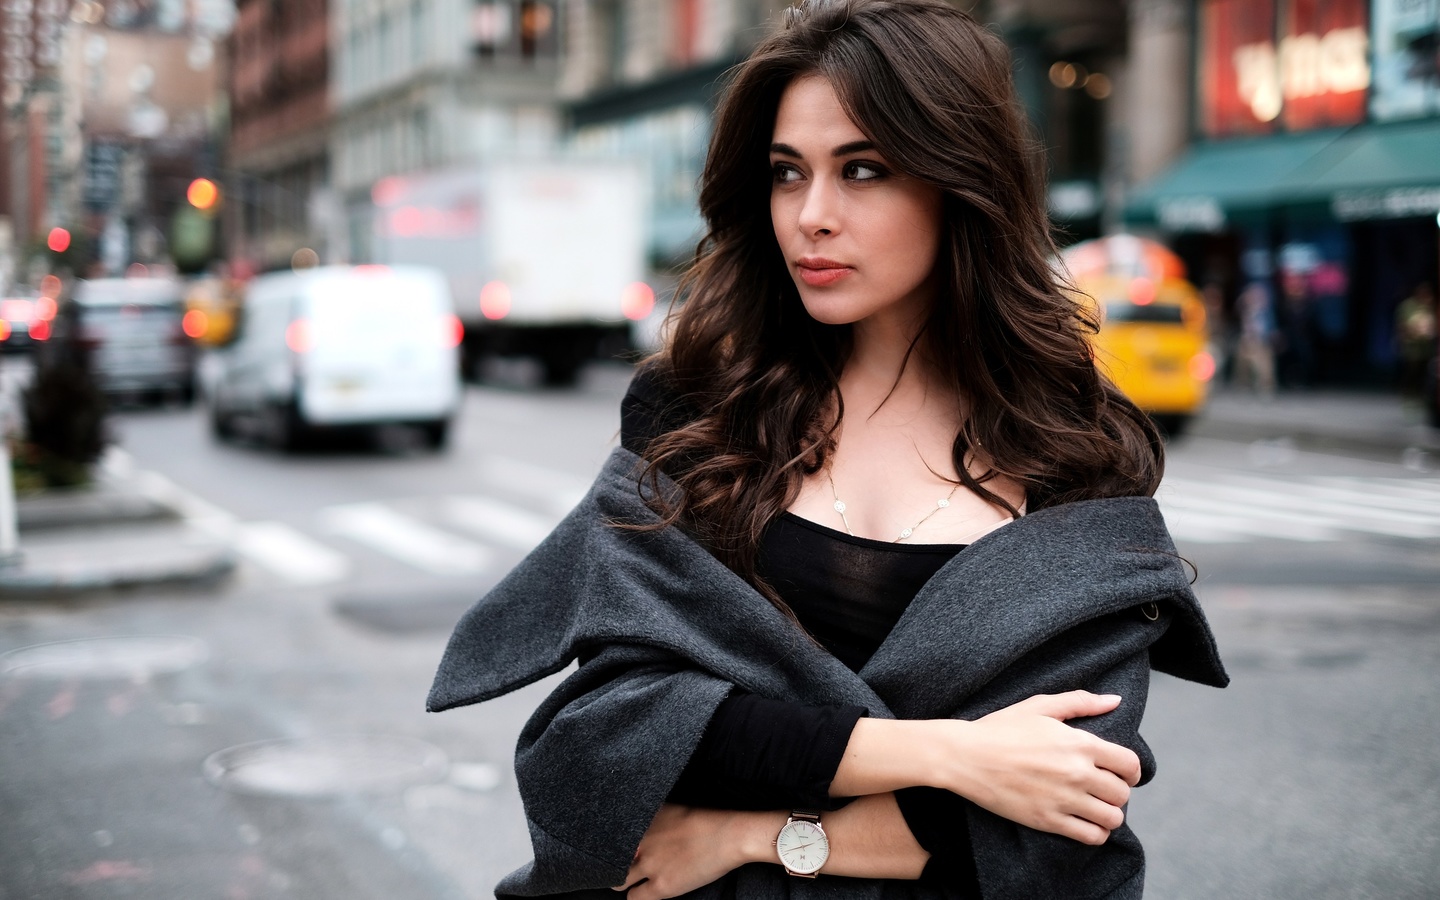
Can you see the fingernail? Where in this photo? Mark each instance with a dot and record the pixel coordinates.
(1116, 697)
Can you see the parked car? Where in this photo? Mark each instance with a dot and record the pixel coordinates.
(338, 347)
(132, 328)
(25, 321)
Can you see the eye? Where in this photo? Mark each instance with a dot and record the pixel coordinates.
(784, 173)
(863, 171)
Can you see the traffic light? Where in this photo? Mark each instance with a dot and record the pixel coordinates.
(203, 194)
(59, 240)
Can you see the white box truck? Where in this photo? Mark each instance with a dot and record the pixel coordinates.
(544, 257)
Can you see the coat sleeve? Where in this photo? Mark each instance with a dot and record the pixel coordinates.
(597, 759)
(1107, 655)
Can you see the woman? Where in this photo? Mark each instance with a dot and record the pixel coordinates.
(776, 682)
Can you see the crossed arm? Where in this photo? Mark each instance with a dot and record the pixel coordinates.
(1021, 762)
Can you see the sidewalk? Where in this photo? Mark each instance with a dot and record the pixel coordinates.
(123, 531)
(1340, 421)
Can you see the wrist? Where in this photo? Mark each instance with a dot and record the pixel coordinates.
(885, 755)
(754, 834)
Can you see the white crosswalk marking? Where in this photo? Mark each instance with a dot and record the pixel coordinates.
(1233, 506)
(497, 522)
(406, 539)
(290, 553)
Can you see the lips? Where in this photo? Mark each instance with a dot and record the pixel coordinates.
(818, 272)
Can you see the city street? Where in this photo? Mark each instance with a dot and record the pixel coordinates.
(1315, 775)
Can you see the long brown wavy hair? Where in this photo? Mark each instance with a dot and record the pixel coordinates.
(932, 89)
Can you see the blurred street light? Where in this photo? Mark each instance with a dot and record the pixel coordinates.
(58, 240)
(203, 194)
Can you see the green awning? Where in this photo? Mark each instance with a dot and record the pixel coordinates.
(1215, 180)
(1365, 172)
(1374, 172)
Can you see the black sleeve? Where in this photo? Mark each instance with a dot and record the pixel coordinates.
(939, 820)
(767, 754)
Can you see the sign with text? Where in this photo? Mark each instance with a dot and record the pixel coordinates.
(1301, 64)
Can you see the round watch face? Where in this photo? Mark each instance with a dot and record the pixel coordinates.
(802, 847)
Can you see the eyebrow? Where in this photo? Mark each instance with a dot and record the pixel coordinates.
(842, 150)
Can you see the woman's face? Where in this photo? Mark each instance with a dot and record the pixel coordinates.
(860, 240)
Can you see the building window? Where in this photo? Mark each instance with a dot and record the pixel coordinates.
(507, 28)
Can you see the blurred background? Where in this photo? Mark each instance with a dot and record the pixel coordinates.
(315, 316)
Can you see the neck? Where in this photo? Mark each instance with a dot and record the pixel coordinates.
(882, 365)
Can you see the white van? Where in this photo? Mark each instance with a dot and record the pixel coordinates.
(340, 346)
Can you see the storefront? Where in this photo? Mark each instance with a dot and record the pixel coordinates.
(1315, 172)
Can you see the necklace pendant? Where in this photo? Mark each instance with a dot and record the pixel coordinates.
(839, 506)
(943, 503)
(906, 533)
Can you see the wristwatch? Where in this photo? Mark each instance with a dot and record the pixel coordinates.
(802, 845)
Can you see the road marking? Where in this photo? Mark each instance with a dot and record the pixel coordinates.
(1219, 515)
(497, 522)
(1311, 509)
(558, 491)
(290, 553)
(408, 540)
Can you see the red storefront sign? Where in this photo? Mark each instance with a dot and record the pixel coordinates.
(1324, 63)
(1239, 87)
(1307, 67)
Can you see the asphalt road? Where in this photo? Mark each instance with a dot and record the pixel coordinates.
(137, 768)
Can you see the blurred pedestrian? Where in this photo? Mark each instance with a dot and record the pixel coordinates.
(1297, 356)
(873, 317)
(1415, 336)
(1255, 351)
(1220, 337)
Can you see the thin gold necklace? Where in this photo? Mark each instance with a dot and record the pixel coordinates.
(840, 508)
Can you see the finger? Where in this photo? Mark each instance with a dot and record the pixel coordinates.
(1100, 813)
(1123, 761)
(1106, 788)
(645, 890)
(1071, 704)
(1084, 831)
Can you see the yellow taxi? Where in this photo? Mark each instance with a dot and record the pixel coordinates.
(211, 307)
(1152, 340)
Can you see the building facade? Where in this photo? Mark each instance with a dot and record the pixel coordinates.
(1313, 171)
(110, 110)
(277, 166)
(424, 85)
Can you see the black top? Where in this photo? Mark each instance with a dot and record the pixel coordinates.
(848, 593)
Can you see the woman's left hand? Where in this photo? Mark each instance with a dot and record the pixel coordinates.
(688, 847)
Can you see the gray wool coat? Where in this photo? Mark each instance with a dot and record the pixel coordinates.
(1083, 595)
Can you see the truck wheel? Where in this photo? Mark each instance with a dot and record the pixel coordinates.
(222, 426)
(285, 428)
(561, 370)
(437, 434)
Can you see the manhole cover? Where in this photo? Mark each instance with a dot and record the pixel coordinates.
(127, 656)
(321, 766)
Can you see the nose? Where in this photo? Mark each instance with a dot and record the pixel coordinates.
(820, 213)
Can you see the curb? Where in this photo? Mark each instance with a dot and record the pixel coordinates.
(211, 564)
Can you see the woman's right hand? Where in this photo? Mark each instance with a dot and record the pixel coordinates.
(1021, 762)
(1024, 763)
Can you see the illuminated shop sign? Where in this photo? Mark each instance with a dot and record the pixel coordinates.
(1299, 63)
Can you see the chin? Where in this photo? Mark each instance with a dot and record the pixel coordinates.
(830, 312)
